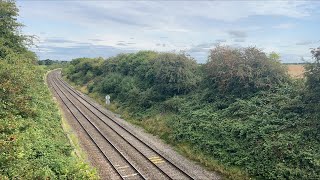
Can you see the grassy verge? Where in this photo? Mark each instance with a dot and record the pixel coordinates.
(74, 141)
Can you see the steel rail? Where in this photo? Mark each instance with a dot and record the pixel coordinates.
(96, 128)
(105, 157)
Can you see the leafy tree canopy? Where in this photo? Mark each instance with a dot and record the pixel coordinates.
(242, 71)
(11, 40)
(173, 74)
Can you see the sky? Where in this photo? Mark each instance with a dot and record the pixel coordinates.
(67, 29)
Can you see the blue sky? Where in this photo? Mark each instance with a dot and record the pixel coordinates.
(70, 29)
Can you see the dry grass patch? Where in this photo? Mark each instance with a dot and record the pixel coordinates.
(296, 70)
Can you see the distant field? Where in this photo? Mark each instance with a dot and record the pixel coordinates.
(296, 70)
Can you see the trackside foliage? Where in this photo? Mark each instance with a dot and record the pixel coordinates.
(242, 71)
(32, 142)
(312, 75)
(239, 114)
(139, 78)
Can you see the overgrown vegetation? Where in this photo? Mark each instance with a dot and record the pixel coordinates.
(313, 83)
(32, 142)
(239, 113)
(242, 71)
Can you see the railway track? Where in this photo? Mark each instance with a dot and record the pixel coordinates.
(137, 159)
(117, 168)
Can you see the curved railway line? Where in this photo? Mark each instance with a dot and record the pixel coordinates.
(128, 155)
(113, 165)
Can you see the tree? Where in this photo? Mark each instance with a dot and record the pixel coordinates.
(82, 70)
(16, 63)
(242, 71)
(11, 40)
(312, 74)
(173, 74)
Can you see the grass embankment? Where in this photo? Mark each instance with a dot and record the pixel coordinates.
(33, 144)
(77, 151)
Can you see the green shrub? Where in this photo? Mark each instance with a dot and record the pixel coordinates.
(312, 75)
(139, 79)
(173, 74)
(110, 84)
(242, 71)
(82, 70)
(262, 134)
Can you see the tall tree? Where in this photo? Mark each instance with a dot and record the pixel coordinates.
(173, 74)
(11, 39)
(312, 75)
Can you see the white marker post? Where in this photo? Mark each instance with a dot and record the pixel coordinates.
(107, 99)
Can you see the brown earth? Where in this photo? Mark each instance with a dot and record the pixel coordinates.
(296, 70)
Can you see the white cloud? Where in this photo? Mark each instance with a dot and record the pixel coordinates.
(284, 26)
(307, 42)
(144, 24)
(235, 10)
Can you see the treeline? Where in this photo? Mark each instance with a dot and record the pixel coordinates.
(52, 64)
(239, 114)
(32, 142)
(140, 80)
(49, 62)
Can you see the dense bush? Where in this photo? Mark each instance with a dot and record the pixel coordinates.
(242, 71)
(133, 64)
(138, 79)
(82, 70)
(312, 75)
(265, 135)
(173, 74)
